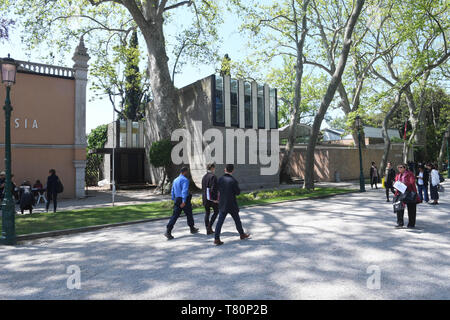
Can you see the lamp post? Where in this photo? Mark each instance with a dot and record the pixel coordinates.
(362, 187)
(447, 136)
(8, 77)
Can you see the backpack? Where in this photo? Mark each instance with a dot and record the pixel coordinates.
(441, 178)
(59, 186)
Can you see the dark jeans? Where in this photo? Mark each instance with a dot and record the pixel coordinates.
(423, 192)
(187, 209)
(391, 188)
(412, 208)
(237, 221)
(208, 206)
(51, 196)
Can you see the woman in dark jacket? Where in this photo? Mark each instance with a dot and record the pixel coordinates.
(52, 189)
(389, 180)
(373, 175)
(407, 178)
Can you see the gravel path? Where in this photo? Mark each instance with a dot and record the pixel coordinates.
(314, 249)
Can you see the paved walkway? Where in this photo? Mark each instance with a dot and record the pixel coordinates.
(312, 249)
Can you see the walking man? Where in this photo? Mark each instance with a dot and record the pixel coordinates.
(228, 190)
(209, 187)
(182, 202)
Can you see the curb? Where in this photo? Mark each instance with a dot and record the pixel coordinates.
(49, 234)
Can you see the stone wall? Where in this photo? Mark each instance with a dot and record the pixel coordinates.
(343, 161)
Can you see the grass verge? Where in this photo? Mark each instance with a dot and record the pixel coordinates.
(43, 222)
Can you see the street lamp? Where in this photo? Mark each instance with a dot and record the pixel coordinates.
(362, 187)
(447, 136)
(8, 77)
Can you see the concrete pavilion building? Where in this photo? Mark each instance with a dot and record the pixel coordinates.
(220, 102)
(48, 123)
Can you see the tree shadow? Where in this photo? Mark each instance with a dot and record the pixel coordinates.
(298, 250)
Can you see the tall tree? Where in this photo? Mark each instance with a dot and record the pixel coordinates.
(133, 108)
(42, 18)
(420, 30)
(280, 29)
(329, 21)
(115, 74)
(331, 90)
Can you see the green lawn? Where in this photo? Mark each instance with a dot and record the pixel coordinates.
(41, 222)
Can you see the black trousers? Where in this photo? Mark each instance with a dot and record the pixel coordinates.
(412, 208)
(215, 206)
(391, 188)
(51, 196)
(187, 209)
(434, 192)
(237, 221)
(374, 181)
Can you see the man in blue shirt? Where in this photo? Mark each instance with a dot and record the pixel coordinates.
(182, 202)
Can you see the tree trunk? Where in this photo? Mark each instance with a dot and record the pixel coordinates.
(442, 153)
(165, 102)
(331, 90)
(295, 112)
(387, 140)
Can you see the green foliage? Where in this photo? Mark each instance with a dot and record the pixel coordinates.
(225, 69)
(97, 137)
(133, 108)
(59, 24)
(130, 87)
(160, 153)
(338, 123)
(396, 140)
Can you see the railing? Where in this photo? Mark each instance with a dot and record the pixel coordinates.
(46, 69)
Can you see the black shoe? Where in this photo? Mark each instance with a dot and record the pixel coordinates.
(209, 231)
(399, 226)
(388, 200)
(168, 235)
(411, 227)
(217, 242)
(194, 230)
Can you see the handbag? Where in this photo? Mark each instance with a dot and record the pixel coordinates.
(441, 188)
(398, 206)
(409, 197)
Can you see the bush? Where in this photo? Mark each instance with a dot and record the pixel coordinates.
(160, 152)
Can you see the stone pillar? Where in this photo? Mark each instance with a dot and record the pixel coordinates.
(80, 57)
(80, 171)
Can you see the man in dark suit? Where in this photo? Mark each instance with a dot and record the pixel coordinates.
(228, 190)
(209, 187)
